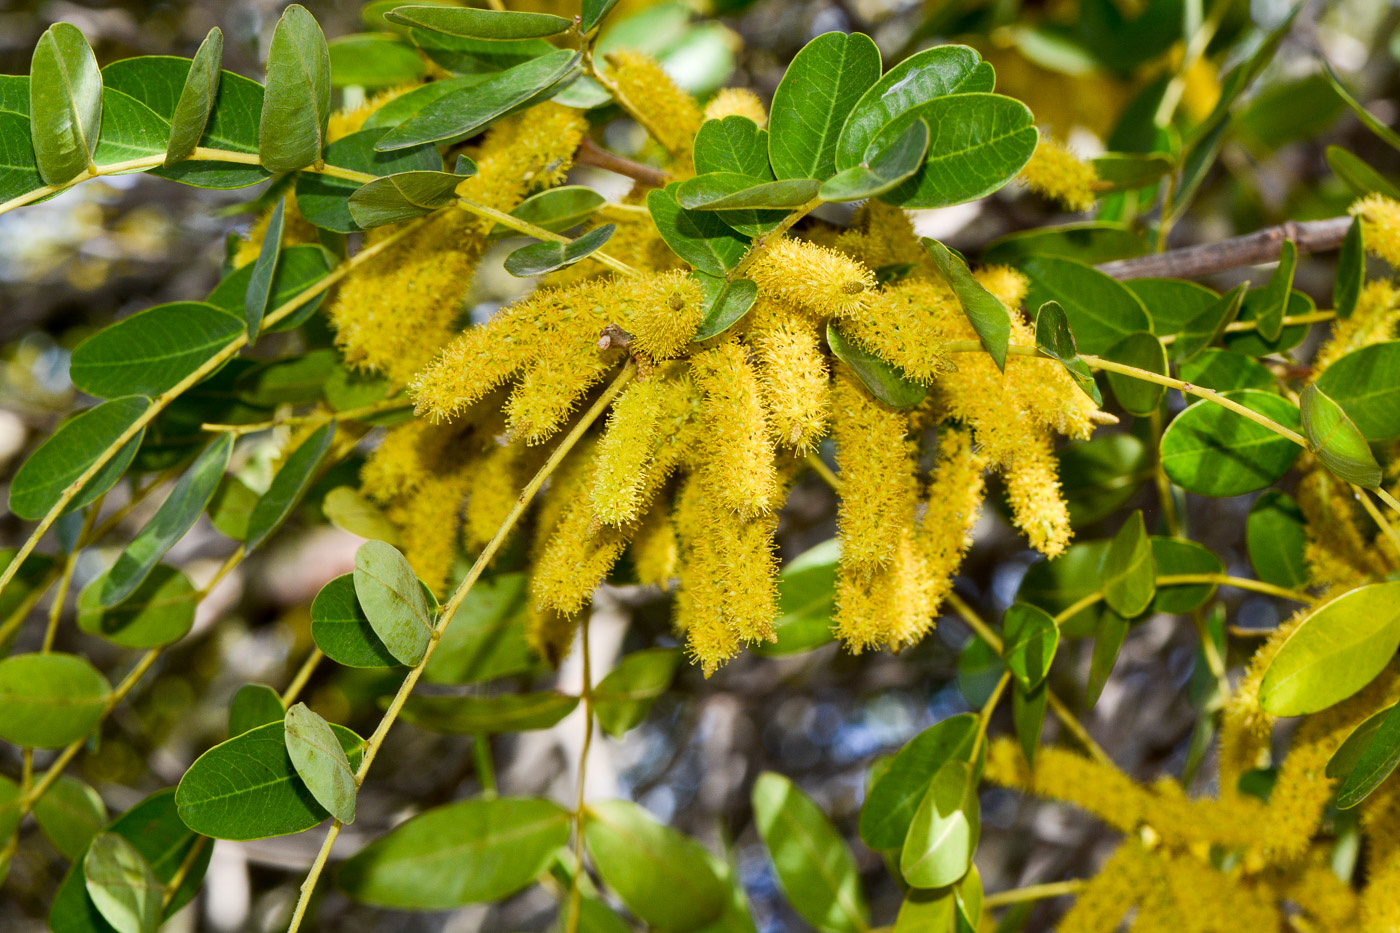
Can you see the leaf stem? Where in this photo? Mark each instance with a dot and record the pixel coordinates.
(762, 243)
(376, 740)
(320, 417)
(1034, 892)
(65, 578)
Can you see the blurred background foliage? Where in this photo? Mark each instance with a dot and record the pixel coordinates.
(1087, 69)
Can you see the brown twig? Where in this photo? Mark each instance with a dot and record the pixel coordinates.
(590, 153)
(1312, 236)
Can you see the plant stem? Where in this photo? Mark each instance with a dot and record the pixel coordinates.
(820, 468)
(65, 578)
(1386, 527)
(1034, 892)
(308, 667)
(1311, 236)
(984, 718)
(761, 244)
(320, 417)
(590, 153)
(376, 740)
(590, 68)
(485, 767)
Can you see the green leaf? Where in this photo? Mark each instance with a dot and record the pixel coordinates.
(1359, 176)
(1125, 171)
(479, 24)
(979, 143)
(1225, 371)
(466, 112)
(49, 699)
(883, 380)
(122, 885)
(154, 829)
(665, 878)
(320, 762)
(402, 197)
(260, 283)
(943, 834)
(1099, 476)
(1209, 325)
(1338, 649)
(1336, 441)
(1054, 338)
(373, 60)
(486, 637)
(1273, 303)
(1143, 351)
(923, 911)
(248, 788)
(1172, 303)
(979, 670)
(1376, 761)
(813, 865)
(325, 201)
(297, 101)
(159, 611)
(1101, 310)
(1028, 716)
(1128, 572)
(735, 145)
(18, 172)
(406, 105)
(393, 601)
(623, 698)
(555, 209)
(289, 485)
(1089, 241)
(293, 380)
(70, 813)
(1351, 271)
(468, 852)
(1108, 638)
(1348, 754)
(484, 58)
(1276, 540)
(349, 510)
(153, 350)
(340, 629)
(816, 95)
(701, 238)
(1363, 383)
(254, 705)
(806, 601)
(936, 72)
(298, 268)
(593, 13)
(882, 171)
(1252, 343)
(457, 715)
(170, 523)
(1211, 451)
(894, 798)
(984, 310)
(1031, 638)
(65, 103)
(723, 191)
(1368, 119)
(191, 114)
(232, 507)
(67, 454)
(548, 256)
(726, 303)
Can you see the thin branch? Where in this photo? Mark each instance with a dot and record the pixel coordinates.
(1252, 249)
(1034, 892)
(590, 153)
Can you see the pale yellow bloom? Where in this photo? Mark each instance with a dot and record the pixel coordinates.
(1057, 173)
(1380, 226)
(736, 102)
(816, 279)
(671, 113)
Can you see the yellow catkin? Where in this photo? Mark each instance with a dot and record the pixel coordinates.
(736, 102)
(1059, 174)
(393, 313)
(1380, 226)
(883, 237)
(671, 113)
(954, 501)
(874, 458)
(655, 550)
(1338, 552)
(906, 325)
(1115, 889)
(1062, 775)
(530, 150)
(495, 489)
(1329, 902)
(399, 463)
(1038, 507)
(429, 518)
(550, 633)
(625, 450)
(890, 606)
(1244, 727)
(699, 611)
(792, 372)
(1376, 318)
(817, 279)
(666, 314)
(737, 456)
(1215, 901)
(1380, 824)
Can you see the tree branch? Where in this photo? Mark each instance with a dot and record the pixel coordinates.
(590, 153)
(1312, 236)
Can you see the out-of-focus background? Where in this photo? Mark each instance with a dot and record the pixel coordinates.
(114, 246)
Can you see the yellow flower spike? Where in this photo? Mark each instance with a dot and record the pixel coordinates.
(883, 235)
(737, 468)
(1380, 226)
(1115, 889)
(1037, 506)
(792, 373)
(392, 314)
(495, 488)
(397, 464)
(1245, 728)
(736, 102)
(1376, 318)
(1059, 174)
(1328, 901)
(625, 450)
(655, 550)
(954, 502)
(1338, 552)
(817, 279)
(429, 517)
(672, 114)
(1380, 824)
(531, 150)
(1010, 287)
(577, 557)
(1062, 775)
(874, 458)
(907, 326)
(549, 633)
(892, 606)
(665, 315)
